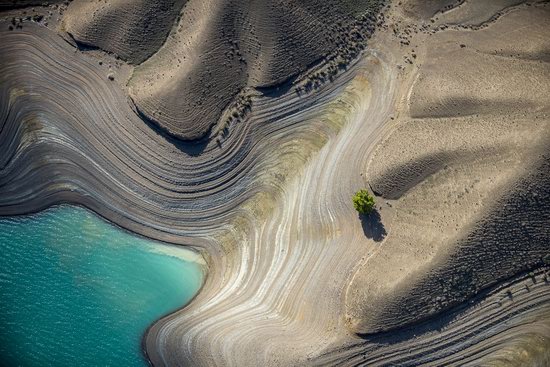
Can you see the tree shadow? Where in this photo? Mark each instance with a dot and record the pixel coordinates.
(373, 226)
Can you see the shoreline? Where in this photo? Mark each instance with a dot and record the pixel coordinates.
(286, 257)
(97, 267)
(75, 196)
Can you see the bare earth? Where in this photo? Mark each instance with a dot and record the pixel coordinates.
(445, 116)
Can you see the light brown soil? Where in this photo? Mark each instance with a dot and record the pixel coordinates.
(447, 121)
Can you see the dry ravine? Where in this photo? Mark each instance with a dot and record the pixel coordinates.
(233, 133)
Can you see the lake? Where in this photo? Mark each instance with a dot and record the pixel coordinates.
(76, 290)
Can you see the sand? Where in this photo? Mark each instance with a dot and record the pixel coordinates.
(446, 121)
(467, 165)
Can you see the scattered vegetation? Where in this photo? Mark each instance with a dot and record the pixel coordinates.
(363, 202)
(235, 113)
(349, 39)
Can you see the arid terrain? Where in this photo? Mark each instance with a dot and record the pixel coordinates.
(242, 130)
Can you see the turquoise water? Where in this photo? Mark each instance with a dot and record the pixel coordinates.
(78, 291)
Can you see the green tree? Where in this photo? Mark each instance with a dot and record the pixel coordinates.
(363, 202)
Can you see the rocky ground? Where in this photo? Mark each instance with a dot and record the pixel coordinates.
(442, 113)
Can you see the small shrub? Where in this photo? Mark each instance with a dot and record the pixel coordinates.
(363, 202)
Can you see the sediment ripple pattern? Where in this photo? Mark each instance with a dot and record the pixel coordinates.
(69, 135)
(80, 139)
(273, 219)
(467, 336)
(283, 298)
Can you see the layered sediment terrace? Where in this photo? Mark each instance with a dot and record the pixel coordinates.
(442, 113)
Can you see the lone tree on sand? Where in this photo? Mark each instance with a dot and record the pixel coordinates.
(363, 202)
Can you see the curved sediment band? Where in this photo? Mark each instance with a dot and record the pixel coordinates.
(270, 206)
(69, 135)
